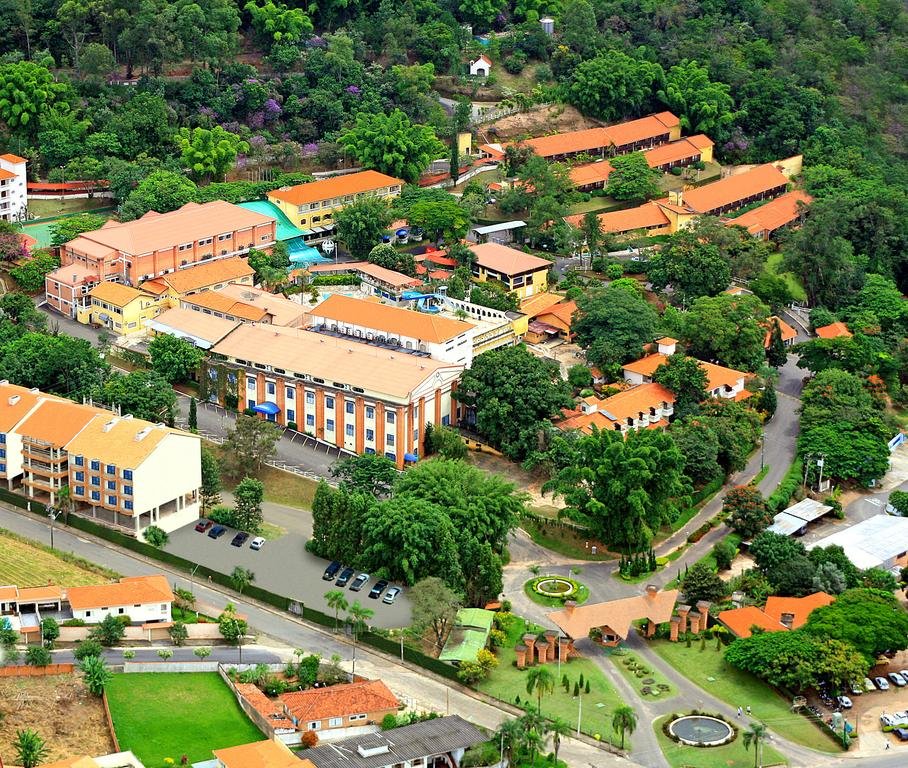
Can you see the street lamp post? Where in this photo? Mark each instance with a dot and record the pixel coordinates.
(52, 515)
(762, 447)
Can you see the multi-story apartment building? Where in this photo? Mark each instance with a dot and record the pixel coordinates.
(162, 243)
(13, 190)
(124, 472)
(358, 397)
(312, 206)
(438, 337)
(520, 272)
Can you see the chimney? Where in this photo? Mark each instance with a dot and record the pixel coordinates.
(651, 591)
(13, 400)
(569, 606)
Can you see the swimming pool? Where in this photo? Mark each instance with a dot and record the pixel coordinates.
(285, 228)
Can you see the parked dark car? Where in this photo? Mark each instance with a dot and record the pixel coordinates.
(344, 577)
(379, 587)
(203, 525)
(359, 582)
(239, 539)
(217, 531)
(331, 571)
(902, 733)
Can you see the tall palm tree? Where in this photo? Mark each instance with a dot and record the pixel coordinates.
(65, 502)
(30, 748)
(558, 729)
(336, 600)
(625, 721)
(541, 680)
(533, 733)
(510, 735)
(756, 735)
(358, 616)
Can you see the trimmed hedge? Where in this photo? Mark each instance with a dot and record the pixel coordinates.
(790, 483)
(707, 490)
(263, 595)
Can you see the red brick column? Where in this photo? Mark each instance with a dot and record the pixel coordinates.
(675, 626)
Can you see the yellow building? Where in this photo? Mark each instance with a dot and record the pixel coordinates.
(313, 205)
(122, 309)
(173, 287)
(520, 272)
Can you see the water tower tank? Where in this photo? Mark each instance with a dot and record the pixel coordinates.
(548, 25)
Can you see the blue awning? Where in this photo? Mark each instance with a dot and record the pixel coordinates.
(402, 233)
(411, 457)
(268, 408)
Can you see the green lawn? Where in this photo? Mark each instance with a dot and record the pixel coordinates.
(628, 664)
(732, 755)
(708, 670)
(160, 715)
(507, 683)
(773, 265)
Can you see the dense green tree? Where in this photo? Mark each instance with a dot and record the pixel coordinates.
(703, 105)
(209, 153)
(776, 353)
(145, 394)
(61, 365)
(248, 496)
(686, 379)
(109, 631)
(207, 29)
(434, 608)
(359, 226)
(249, 445)
(727, 329)
(387, 256)
(27, 91)
(736, 427)
(746, 511)
(337, 524)
(701, 582)
(624, 488)
(871, 620)
(511, 394)
(613, 85)
(210, 491)
(796, 579)
(772, 290)
(162, 191)
(30, 275)
(691, 267)
(174, 359)
(632, 178)
(699, 446)
(481, 13)
(835, 555)
(613, 324)
(64, 230)
(390, 143)
(276, 23)
(578, 27)
(447, 443)
(370, 474)
(775, 553)
(440, 219)
(144, 124)
(829, 579)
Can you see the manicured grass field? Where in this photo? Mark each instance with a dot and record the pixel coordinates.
(507, 683)
(732, 755)
(161, 715)
(773, 265)
(29, 564)
(708, 670)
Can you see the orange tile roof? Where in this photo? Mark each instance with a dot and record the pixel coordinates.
(373, 368)
(385, 275)
(9, 592)
(799, 607)
(81, 761)
(270, 709)
(590, 173)
(646, 365)
(506, 260)
(636, 400)
(57, 421)
(788, 333)
(643, 216)
(539, 303)
(563, 312)
(283, 311)
(676, 151)
(261, 754)
(116, 293)
(157, 231)
(205, 275)
(666, 341)
(130, 590)
(15, 403)
(774, 214)
(15, 159)
(733, 189)
(334, 186)
(617, 615)
(388, 319)
(740, 620)
(833, 331)
(642, 128)
(73, 274)
(4, 174)
(716, 375)
(340, 701)
(50, 592)
(217, 302)
(123, 441)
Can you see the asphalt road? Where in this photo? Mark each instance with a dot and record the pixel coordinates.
(283, 566)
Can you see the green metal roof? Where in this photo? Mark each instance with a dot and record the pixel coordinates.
(463, 645)
(475, 617)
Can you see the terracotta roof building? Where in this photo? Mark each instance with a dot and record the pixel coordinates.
(338, 711)
(158, 244)
(246, 304)
(834, 330)
(142, 598)
(198, 328)
(779, 614)
(615, 617)
(781, 212)
(439, 337)
(648, 218)
(788, 333)
(260, 754)
(356, 396)
(645, 406)
(522, 273)
(208, 275)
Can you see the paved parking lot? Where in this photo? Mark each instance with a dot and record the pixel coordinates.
(283, 566)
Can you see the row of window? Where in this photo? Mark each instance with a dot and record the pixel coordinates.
(290, 394)
(94, 480)
(79, 490)
(95, 466)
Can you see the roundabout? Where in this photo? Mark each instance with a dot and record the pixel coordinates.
(701, 731)
(555, 590)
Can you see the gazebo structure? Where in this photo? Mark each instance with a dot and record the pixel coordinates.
(615, 618)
